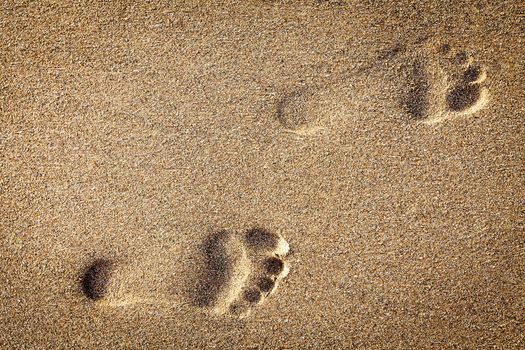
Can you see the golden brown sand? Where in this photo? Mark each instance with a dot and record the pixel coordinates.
(157, 161)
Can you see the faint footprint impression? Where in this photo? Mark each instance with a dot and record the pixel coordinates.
(444, 88)
(241, 272)
(238, 273)
(298, 112)
(436, 85)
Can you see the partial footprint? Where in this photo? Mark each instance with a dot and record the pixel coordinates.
(226, 272)
(298, 112)
(469, 95)
(241, 272)
(444, 88)
(417, 100)
(119, 283)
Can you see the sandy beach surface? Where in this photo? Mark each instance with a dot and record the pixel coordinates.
(262, 175)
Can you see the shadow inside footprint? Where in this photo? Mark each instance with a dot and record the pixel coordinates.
(266, 285)
(95, 280)
(416, 102)
(224, 273)
(261, 238)
(253, 296)
(472, 73)
(274, 265)
(292, 109)
(463, 97)
(217, 269)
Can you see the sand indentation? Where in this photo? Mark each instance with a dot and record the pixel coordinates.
(122, 283)
(469, 95)
(463, 97)
(274, 265)
(226, 272)
(297, 113)
(266, 284)
(95, 280)
(238, 272)
(417, 100)
(253, 296)
(238, 275)
(264, 240)
(445, 86)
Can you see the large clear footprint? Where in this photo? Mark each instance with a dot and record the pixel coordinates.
(238, 272)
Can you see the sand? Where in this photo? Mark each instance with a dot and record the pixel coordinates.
(262, 175)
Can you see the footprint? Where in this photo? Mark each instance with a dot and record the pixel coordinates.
(469, 95)
(436, 85)
(444, 88)
(241, 272)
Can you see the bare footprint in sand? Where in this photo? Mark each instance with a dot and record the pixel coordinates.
(238, 273)
(433, 85)
(444, 88)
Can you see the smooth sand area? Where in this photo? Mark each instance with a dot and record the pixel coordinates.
(262, 175)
